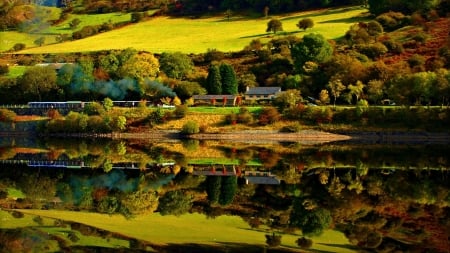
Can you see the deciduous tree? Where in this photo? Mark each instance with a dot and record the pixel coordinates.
(305, 23)
(313, 47)
(274, 25)
(38, 82)
(176, 65)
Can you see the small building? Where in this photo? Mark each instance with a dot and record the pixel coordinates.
(260, 177)
(261, 93)
(223, 100)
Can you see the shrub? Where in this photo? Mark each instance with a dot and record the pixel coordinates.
(268, 115)
(180, 111)
(94, 108)
(292, 128)
(373, 51)
(416, 60)
(190, 127)
(393, 46)
(244, 116)
(214, 55)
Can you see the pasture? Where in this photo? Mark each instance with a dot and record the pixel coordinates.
(197, 35)
(192, 228)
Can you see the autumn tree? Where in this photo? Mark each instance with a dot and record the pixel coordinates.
(288, 98)
(274, 25)
(140, 66)
(336, 87)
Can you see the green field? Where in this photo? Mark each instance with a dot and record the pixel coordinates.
(167, 34)
(192, 228)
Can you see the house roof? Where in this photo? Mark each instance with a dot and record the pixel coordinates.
(262, 180)
(217, 97)
(262, 90)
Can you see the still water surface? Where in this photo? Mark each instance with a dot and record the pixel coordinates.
(60, 195)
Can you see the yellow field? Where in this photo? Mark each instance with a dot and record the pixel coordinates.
(166, 34)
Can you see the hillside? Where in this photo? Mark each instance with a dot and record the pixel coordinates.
(167, 34)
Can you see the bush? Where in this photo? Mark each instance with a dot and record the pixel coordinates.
(393, 46)
(292, 128)
(416, 60)
(373, 51)
(190, 127)
(180, 111)
(268, 115)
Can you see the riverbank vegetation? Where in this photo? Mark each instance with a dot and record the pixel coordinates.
(396, 58)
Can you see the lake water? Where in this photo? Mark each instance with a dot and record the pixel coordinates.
(63, 195)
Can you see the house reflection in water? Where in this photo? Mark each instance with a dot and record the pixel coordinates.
(251, 177)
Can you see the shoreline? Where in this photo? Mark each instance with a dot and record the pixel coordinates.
(303, 136)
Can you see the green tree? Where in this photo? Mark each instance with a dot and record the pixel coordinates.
(311, 222)
(108, 104)
(186, 89)
(273, 240)
(274, 25)
(175, 203)
(176, 65)
(39, 82)
(214, 80)
(109, 63)
(313, 47)
(228, 79)
(39, 41)
(73, 24)
(305, 23)
(228, 190)
(213, 185)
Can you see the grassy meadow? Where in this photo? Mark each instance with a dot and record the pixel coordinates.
(192, 228)
(188, 35)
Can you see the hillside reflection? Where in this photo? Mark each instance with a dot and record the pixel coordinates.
(382, 198)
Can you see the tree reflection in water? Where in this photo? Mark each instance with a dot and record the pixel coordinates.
(383, 198)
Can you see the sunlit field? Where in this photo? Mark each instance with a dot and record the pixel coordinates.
(188, 35)
(192, 228)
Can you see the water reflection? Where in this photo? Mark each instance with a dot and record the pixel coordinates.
(215, 196)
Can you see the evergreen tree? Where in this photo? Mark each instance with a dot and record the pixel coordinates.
(213, 81)
(228, 78)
